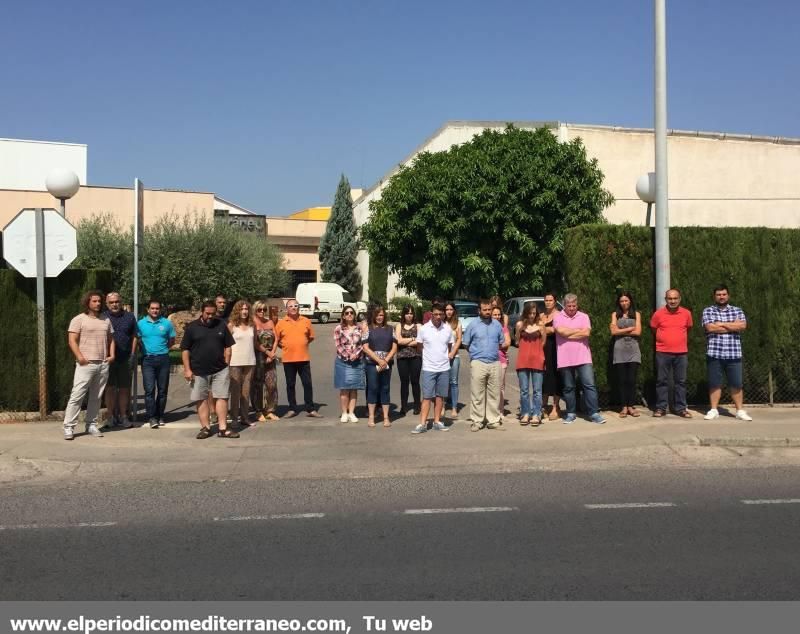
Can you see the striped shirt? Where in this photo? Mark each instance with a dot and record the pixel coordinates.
(723, 345)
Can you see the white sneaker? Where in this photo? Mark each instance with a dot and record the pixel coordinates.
(68, 433)
(711, 415)
(352, 418)
(742, 415)
(93, 431)
(344, 419)
(419, 429)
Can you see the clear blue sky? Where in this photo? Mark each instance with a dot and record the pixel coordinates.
(266, 102)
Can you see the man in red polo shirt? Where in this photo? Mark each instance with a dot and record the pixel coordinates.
(671, 324)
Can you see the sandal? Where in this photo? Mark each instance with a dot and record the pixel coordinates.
(227, 433)
(204, 433)
(371, 423)
(387, 424)
(273, 417)
(524, 421)
(658, 413)
(633, 412)
(685, 414)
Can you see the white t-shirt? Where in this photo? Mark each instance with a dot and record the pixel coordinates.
(435, 346)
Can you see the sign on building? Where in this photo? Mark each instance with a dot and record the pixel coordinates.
(244, 222)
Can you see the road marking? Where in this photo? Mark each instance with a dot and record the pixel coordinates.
(778, 501)
(470, 509)
(18, 527)
(277, 516)
(631, 505)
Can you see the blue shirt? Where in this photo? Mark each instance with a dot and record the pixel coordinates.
(723, 345)
(124, 330)
(155, 335)
(483, 340)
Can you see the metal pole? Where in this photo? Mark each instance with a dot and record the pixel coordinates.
(649, 214)
(662, 197)
(63, 207)
(137, 185)
(39, 222)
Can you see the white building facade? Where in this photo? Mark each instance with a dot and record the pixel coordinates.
(715, 179)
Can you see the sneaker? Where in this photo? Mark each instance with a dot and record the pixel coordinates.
(344, 419)
(153, 423)
(125, 423)
(711, 415)
(496, 425)
(93, 431)
(476, 427)
(742, 415)
(439, 426)
(161, 422)
(68, 433)
(352, 418)
(419, 429)
(598, 419)
(569, 419)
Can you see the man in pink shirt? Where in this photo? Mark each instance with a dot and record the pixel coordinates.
(573, 329)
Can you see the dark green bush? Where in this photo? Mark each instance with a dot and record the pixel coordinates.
(760, 266)
(19, 389)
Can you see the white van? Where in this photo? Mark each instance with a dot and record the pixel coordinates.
(324, 301)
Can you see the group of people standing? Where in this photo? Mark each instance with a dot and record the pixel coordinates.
(231, 362)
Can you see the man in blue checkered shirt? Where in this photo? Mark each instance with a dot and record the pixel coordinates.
(723, 323)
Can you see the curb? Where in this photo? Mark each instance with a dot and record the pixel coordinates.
(730, 441)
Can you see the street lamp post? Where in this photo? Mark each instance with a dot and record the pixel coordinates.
(661, 190)
(646, 191)
(62, 184)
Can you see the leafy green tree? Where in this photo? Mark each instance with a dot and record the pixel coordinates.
(487, 216)
(338, 248)
(184, 259)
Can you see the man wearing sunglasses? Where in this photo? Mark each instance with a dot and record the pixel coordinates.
(294, 332)
(118, 388)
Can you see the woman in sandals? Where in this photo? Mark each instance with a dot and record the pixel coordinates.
(552, 377)
(451, 317)
(243, 361)
(626, 328)
(265, 377)
(531, 335)
(409, 358)
(380, 346)
(348, 368)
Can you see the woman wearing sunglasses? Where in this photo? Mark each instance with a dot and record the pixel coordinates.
(265, 379)
(348, 369)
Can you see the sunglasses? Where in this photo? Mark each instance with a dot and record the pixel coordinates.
(259, 310)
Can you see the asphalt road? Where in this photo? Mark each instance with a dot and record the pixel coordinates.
(624, 534)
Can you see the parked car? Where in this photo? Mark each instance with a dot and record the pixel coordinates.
(513, 308)
(324, 301)
(468, 311)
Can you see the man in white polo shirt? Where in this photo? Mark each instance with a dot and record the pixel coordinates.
(436, 339)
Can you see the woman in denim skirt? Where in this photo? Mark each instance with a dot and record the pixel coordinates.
(348, 369)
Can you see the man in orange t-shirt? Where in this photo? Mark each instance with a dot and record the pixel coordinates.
(294, 332)
(671, 324)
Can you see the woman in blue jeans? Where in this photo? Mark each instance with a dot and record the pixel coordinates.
(451, 317)
(380, 346)
(532, 335)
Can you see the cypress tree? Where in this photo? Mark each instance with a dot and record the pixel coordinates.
(338, 248)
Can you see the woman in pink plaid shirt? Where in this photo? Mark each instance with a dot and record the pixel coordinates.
(348, 370)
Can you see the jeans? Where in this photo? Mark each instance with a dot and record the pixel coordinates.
(585, 374)
(378, 384)
(530, 392)
(155, 373)
(455, 367)
(675, 365)
(290, 371)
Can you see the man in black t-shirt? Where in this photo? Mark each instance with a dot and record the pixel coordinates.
(206, 352)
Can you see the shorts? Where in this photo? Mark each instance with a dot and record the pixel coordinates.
(732, 369)
(435, 384)
(217, 384)
(120, 373)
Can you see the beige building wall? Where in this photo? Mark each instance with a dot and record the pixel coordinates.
(116, 201)
(298, 241)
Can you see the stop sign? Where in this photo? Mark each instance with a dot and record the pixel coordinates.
(19, 243)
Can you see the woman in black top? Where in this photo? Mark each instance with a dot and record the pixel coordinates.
(380, 347)
(409, 359)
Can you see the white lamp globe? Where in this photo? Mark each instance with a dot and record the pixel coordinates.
(62, 183)
(646, 187)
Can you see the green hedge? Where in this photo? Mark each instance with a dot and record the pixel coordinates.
(760, 266)
(19, 389)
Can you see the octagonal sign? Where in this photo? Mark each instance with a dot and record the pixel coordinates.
(19, 243)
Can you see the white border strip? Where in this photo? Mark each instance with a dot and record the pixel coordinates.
(778, 501)
(631, 505)
(40, 526)
(470, 509)
(278, 516)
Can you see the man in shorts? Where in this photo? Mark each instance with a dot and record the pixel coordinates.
(723, 324)
(206, 353)
(436, 339)
(120, 371)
